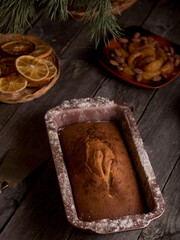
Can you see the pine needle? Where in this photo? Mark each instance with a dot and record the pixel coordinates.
(15, 15)
(56, 8)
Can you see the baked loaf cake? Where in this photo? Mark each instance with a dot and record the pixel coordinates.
(103, 180)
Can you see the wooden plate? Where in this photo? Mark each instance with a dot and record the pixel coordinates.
(103, 55)
(28, 94)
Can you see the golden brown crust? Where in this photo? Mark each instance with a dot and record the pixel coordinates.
(102, 177)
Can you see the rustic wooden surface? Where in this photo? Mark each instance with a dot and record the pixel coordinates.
(34, 209)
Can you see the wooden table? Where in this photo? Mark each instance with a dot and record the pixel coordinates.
(34, 209)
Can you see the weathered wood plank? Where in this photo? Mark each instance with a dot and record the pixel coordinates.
(10, 199)
(136, 15)
(45, 201)
(31, 135)
(58, 34)
(168, 226)
(160, 130)
(137, 98)
(165, 20)
(6, 112)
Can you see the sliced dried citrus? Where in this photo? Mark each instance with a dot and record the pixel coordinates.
(7, 66)
(5, 38)
(41, 51)
(19, 47)
(52, 72)
(32, 68)
(38, 83)
(52, 68)
(12, 83)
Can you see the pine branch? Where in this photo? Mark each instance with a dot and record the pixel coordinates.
(56, 8)
(103, 21)
(15, 15)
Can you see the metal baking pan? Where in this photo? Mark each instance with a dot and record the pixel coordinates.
(103, 109)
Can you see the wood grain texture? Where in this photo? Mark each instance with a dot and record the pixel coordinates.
(165, 20)
(135, 97)
(34, 210)
(11, 199)
(168, 226)
(160, 130)
(6, 112)
(41, 215)
(136, 15)
(58, 34)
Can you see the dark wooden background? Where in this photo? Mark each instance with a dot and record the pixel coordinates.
(34, 209)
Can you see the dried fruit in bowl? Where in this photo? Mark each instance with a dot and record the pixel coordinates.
(23, 64)
(143, 59)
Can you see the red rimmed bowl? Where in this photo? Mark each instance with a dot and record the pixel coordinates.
(104, 51)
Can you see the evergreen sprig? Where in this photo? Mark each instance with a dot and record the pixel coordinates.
(15, 15)
(56, 8)
(103, 21)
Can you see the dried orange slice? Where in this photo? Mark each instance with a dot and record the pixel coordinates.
(41, 51)
(52, 68)
(52, 72)
(5, 38)
(12, 83)
(31, 68)
(38, 83)
(19, 47)
(7, 66)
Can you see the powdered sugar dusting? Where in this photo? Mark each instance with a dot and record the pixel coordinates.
(81, 103)
(144, 158)
(137, 140)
